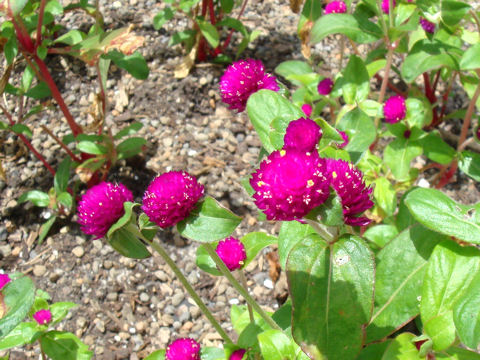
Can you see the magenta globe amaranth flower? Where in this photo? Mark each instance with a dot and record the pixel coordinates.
(237, 354)
(428, 26)
(345, 138)
(183, 349)
(289, 184)
(242, 79)
(4, 280)
(302, 134)
(307, 109)
(42, 317)
(335, 7)
(325, 86)
(394, 109)
(170, 197)
(349, 185)
(232, 252)
(101, 206)
(386, 5)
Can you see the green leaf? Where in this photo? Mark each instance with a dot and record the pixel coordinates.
(471, 58)
(227, 5)
(60, 309)
(398, 288)
(127, 217)
(37, 197)
(156, 355)
(134, 64)
(18, 297)
(45, 228)
(17, 6)
(209, 32)
(451, 270)
(268, 109)
(402, 348)
(255, 242)
(381, 234)
(10, 50)
(291, 233)
(466, 314)
(60, 180)
(469, 163)
(385, 195)
(329, 213)
(212, 353)
(234, 24)
(129, 130)
(162, 17)
(416, 114)
(399, 154)
(357, 28)
(27, 78)
(127, 244)
(59, 345)
(360, 130)
(23, 334)
(457, 354)
(329, 133)
(355, 82)
(130, 147)
(205, 262)
(275, 345)
(438, 212)
(187, 36)
(39, 91)
(426, 56)
(90, 147)
(290, 68)
(374, 351)
(436, 149)
(375, 67)
(331, 287)
(22, 129)
(71, 38)
(453, 11)
(209, 221)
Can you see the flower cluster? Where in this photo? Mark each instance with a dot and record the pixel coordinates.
(302, 134)
(242, 79)
(232, 252)
(428, 26)
(336, 7)
(183, 349)
(325, 86)
(101, 206)
(394, 109)
(4, 280)
(42, 317)
(386, 5)
(171, 197)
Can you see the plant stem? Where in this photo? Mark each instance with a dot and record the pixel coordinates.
(41, 12)
(62, 145)
(243, 280)
(76, 129)
(224, 270)
(383, 87)
(229, 37)
(468, 115)
(28, 143)
(191, 291)
(320, 229)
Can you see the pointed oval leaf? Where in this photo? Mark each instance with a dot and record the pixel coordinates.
(402, 348)
(209, 221)
(469, 163)
(127, 244)
(331, 287)
(275, 345)
(59, 345)
(466, 315)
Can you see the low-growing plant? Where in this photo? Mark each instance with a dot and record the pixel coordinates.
(31, 33)
(377, 266)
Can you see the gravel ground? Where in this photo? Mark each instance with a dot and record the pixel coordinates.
(128, 308)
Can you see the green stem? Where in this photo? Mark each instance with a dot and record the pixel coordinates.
(321, 230)
(159, 248)
(224, 270)
(243, 280)
(383, 88)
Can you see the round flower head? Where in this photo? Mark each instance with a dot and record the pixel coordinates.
(42, 317)
(4, 280)
(170, 197)
(345, 139)
(183, 349)
(348, 182)
(242, 79)
(394, 109)
(307, 109)
(428, 26)
(302, 134)
(336, 7)
(289, 184)
(237, 354)
(232, 252)
(386, 5)
(477, 133)
(101, 206)
(325, 86)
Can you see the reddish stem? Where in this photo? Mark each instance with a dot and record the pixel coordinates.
(391, 86)
(41, 12)
(428, 89)
(229, 37)
(212, 12)
(62, 145)
(435, 82)
(446, 177)
(76, 129)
